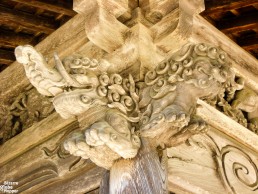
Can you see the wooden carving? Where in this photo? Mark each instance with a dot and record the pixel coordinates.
(172, 90)
(228, 167)
(159, 109)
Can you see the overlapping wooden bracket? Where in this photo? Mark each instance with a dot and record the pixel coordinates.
(161, 107)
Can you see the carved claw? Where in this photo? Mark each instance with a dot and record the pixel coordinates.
(178, 119)
(197, 126)
(172, 116)
(92, 137)
(76, 145)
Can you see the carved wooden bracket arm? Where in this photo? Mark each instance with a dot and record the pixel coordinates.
(161, 107)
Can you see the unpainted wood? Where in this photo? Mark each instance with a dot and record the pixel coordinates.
(209, 164)
(63, 8)
(11, 39)
(243, 63)
(214, 6)
(6, 57)
(36, 134)
(227, 126)
(31, 22)
(238, 24)
(142, 174)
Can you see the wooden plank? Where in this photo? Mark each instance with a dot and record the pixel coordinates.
(227, 126)
(238, 24)
(216, 6)
(33, 136)
(83, 182)
(13, 39)
(56, 7)
(6, 57)
(27, 21)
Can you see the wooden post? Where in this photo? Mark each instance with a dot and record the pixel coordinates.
(143, 174)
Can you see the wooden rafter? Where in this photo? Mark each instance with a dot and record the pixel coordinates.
(27, 21)
(6, 57)
(11, 39)
(249, 43)
(215, 6)
(48, 5)
(241, 23)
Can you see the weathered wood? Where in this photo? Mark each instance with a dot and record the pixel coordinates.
(53, 43)
(207, 164)
(11, 39)
(25, 20)
(215, 6)
(249, 42)
(238, 24)
(104, 184)
(95, 191)
(84, 181)
(227, 126)
(33, 136)
(6, 57)
(57, 7)
(100, 17)
(142, 174)
(243, 63)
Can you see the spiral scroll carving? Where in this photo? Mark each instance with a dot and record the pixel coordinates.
(239, 171)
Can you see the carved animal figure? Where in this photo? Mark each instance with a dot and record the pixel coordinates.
(172, 89)
(77, 85)
(247, 100)
(114, 135)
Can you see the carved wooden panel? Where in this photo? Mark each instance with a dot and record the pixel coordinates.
(212, 163)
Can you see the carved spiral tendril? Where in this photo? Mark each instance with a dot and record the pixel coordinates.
(126, 84)
(116, 79)
(222, 57)
(201, 49)
(127, 102)
(188, 62)
(176, 68)
(102, 91)
(151, 78)
(163, 68)
(104, 79)
(212, 52)
(245, 172)
(113, 96)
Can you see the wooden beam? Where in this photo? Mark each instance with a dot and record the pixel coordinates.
(238, 24)
(227, 125)
(36, 134)
(57, 7)
(13, 39)
(6, 57)
(27, 21)
(215, 6)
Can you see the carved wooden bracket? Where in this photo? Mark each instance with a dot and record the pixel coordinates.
(161, 107)
(142, 89)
